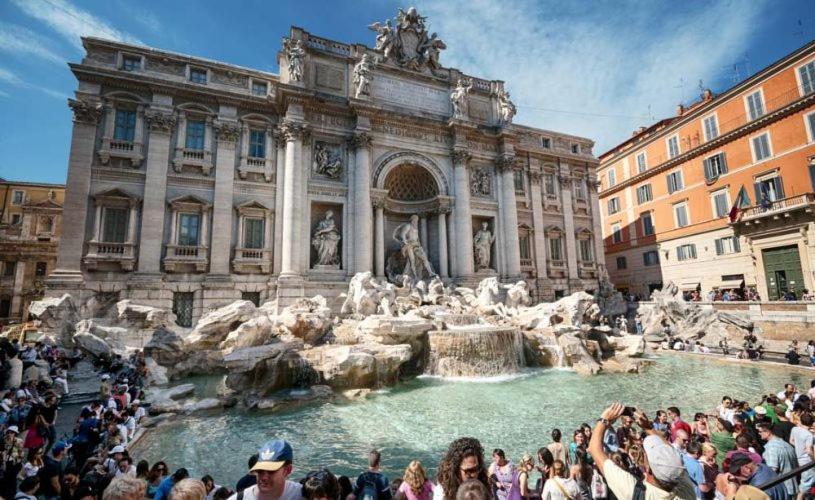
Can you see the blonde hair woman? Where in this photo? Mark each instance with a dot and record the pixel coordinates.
(415, 485)
(560, 487)
(189, 489)
(520, 481)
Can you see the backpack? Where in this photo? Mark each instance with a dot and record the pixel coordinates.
(370, 490)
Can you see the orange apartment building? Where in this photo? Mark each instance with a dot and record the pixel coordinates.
(667, 192)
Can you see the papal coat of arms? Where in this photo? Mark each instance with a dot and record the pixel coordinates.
(406, 42)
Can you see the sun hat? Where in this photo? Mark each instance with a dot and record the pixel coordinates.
(117, 449)
(14, 429)
(273, 455)
(665, 463)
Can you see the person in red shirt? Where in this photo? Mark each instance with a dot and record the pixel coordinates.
(676, 422)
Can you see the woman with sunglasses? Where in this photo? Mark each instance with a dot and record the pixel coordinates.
(464, 460)
(154, 478)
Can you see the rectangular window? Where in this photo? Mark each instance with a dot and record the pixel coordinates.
(259, 88)
(675, 182)
(114, 229)
(613, 206)
(554, 249)
(188, 225)
(549, 184)
(647, 224)
(642, 163)
(195, 134)
(727, 245)
(616, 233)
(673, 146)
(253, 232)
(576, 149)
(523, 246)
(622, 263)
(546, 142)
(198, 75)
(711, 127)
(41, 269)
(769, 187)
(182, 308)
(580, 189)
(650, 258)
(810, 118)
(681, 215)
(714, 167)
(125, 129)
(16, 219)
(585, 250)
(761, 147)
(131, 63)
(807, 74)
(721, 203)
(9, 267)
(253, 297)
(755, 105)
(644, 194)
(612, 178)
(18, 197)
(686, 252)
(257, 143)
(518, 179)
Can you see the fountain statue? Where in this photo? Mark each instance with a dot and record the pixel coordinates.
(326, 240)
(416, 265)
(482, 242)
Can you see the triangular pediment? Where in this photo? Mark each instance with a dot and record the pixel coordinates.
(253, 204)
(189, 198)
(115, 193)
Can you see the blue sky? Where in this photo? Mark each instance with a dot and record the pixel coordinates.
(598, 69)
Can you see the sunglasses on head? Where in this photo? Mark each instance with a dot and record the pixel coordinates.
(471, 470)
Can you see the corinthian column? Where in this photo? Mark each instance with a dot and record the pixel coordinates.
(362, 203)
(442, 219)
(461, 215)
(151, 236)
(280, 176)
(509, 216)
(86, 118)
(228, 133)
(379, 205)
(292, 194)
(568, 220)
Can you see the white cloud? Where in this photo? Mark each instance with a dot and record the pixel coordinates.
(608, 61)
(21, 41)
(71, 22)
(12, 79)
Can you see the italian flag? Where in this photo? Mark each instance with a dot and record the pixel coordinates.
(742, 201)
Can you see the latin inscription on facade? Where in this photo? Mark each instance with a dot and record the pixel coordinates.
(410, 95)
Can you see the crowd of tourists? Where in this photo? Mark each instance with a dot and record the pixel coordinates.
(726, 453)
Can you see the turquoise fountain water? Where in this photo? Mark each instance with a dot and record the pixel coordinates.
(418, 419)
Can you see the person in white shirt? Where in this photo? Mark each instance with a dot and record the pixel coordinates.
(137, 410)
(560, 487)
(126, 467)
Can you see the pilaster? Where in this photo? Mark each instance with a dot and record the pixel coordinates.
(161, 122)
(228, 132)
(564, 175)
(537, 223)
(362, 202)
(509, 216)
(68, 274)
(462, 216)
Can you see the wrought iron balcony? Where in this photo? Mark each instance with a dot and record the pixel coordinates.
(777, 209)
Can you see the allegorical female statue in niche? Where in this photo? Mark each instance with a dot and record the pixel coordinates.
(481, 245)
(326, 240)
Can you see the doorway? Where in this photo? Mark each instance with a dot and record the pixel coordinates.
(782, 268)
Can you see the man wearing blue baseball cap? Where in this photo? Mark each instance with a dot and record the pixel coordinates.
(272, 469)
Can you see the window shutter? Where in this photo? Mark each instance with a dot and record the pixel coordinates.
(757, 186)
(722, 163)
(693, 251)
(708, 170)
(719, 247)
(670, 184)
(736, 245)
(779, 187)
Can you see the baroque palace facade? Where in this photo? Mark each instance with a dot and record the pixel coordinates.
(192, 182)
(668, 193)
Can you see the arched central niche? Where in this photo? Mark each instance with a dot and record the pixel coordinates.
(410, 182)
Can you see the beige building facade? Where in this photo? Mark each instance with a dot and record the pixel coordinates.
(194, 182)
(30, 228)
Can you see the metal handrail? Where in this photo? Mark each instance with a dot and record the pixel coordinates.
(788, 475)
